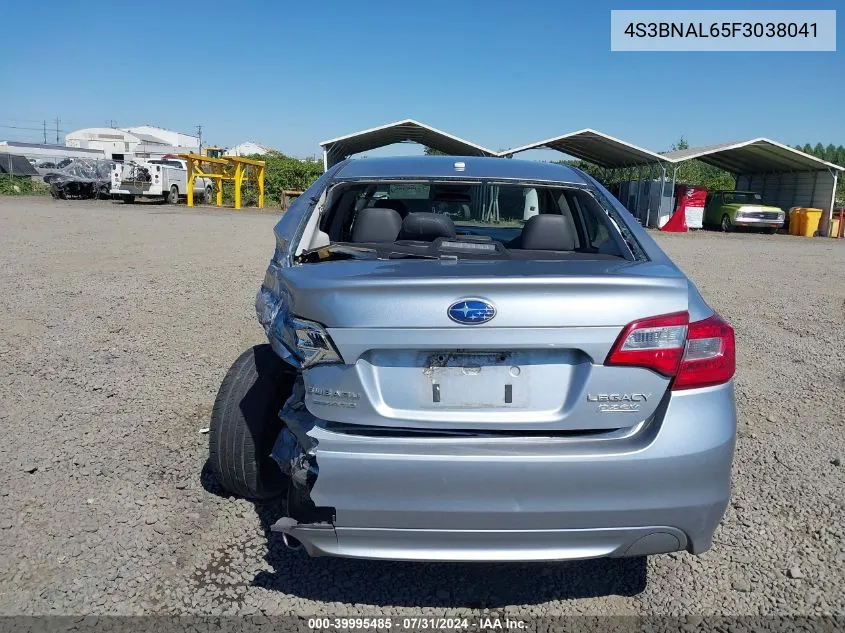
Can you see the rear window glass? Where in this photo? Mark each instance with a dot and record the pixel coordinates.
(514, 220)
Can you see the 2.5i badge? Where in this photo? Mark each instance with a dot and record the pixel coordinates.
(617, 402)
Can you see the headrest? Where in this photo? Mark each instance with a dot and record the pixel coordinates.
(547, 232)
(376, 225)
(426, 227)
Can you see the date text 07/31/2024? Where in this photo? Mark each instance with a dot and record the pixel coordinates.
(486, 623)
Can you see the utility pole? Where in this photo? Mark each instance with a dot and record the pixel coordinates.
(45, 131)
(199, 134)
(112, 123)
(57, 130)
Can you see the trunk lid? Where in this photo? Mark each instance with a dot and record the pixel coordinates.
(537, 365)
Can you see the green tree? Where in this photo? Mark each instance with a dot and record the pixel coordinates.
(695, 172)
(681, 144)
(430, 151)
(280, 172)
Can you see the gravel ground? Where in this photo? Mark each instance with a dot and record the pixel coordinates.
(119, 322)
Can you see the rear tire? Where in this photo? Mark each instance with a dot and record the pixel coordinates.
(128, 199)
(726, 225)
(245, 424)
(173, 196)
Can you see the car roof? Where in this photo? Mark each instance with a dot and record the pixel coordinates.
(444, 167)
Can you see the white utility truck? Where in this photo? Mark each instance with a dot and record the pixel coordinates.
(158, 178)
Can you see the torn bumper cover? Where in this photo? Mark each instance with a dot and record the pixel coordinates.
(295, 453)
(496, 498)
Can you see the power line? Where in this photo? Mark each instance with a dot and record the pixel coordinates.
(33, 129)
(23, 121)
(13, 118)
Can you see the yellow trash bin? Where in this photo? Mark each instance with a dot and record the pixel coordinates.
(794, 220)
(810, 219)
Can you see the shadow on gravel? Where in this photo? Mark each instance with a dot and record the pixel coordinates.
(209, 482)
(476, 586)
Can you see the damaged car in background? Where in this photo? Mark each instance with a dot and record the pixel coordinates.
(80, 178)
(478, 359)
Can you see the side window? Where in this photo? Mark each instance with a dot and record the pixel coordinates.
(337, 220)
(596, 229)
(511, 202)
(566, 210)
(287, 229)
(563, 205)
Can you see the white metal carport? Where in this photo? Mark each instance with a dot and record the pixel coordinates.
(784, 177)
(611, 153)
(342, 147)
(597, 148)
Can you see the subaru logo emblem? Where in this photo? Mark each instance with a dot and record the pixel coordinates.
(471, 311)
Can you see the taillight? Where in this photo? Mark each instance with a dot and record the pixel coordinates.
(698, 354)
(656, 343)
(710, 355)
(310, 343)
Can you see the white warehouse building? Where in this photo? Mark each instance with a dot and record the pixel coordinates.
(175, 139)
(144, 141)
(248, 148)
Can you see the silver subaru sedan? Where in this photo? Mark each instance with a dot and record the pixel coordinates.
(478, 359)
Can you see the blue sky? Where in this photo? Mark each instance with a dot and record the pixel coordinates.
(500, 73)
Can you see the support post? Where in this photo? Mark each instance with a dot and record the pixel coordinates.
(239, 178)
(832, 200)
(637, 200)
(260, 187)
(191, 179)
(813, 192)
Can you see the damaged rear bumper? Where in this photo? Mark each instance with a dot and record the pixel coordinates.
(663, 487)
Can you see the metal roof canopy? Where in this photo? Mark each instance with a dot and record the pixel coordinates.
(340, 148)
(596, 147)
(16, 165)
(758, 155)
(783, 176)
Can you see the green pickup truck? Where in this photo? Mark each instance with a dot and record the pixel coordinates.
(730, 209)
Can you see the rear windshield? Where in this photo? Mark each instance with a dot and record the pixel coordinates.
(471, 220)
